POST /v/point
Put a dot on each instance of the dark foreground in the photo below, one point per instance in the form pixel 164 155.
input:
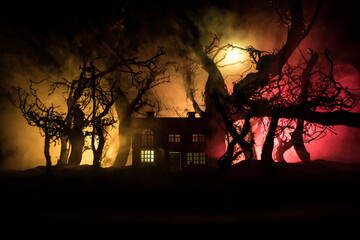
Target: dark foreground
pixel 322 192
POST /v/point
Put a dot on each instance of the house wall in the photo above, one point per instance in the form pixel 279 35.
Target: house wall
pixel 213 146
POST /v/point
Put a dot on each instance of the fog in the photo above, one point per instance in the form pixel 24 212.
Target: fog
pixel 51 46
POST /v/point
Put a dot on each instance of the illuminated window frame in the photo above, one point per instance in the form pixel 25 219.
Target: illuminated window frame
pixel 177 138
pixel 171 138
pixel 195 137
pixel 196 158
pixel 189 157
pixel 202 158
pixel 198 137
pixel 147 156
pixel 201 137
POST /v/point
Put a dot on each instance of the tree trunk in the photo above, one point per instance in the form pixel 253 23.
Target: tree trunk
pixel 77 144
pixel 266 155
pixel 251 140
pixel 247 147
pixel 124 113
pixel 226 160
pixel 64 152
pixel 47 152
pixel 76 137
pixel 298 142
pixel 283 147
pixel 98 153
pixel 124 147
pixel 100 148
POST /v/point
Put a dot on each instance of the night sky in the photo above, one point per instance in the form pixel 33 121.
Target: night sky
pixel 28 26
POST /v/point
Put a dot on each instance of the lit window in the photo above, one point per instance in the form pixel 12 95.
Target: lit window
pixel 202 158
pixel 198 137
pixel 177 137
pixel 195 137
pixel 174 138
pixel 196 158
pixel 147 156
pixel 147 138
pixel 189 158
pixel 201 137
pixel 171 138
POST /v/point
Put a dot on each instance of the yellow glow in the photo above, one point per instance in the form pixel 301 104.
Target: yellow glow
pixel 147 155
pixel 87 157
pixel 233 56
pixel 110 153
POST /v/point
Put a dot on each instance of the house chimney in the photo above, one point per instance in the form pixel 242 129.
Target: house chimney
pixel 150 114
pixel 191 114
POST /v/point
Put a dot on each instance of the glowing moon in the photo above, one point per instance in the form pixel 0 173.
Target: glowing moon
pixel 233 56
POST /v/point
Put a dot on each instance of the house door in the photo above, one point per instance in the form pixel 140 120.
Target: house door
pixel 174 161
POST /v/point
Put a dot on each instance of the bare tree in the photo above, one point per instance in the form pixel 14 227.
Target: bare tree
pixel 38 114
pixel 216 95
pixel 303 85
pixel 137 94
pixel 71 131
pixel 259 93
pixel 102 95
pixel 97 90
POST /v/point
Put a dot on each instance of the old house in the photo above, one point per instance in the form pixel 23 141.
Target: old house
pixel 177 144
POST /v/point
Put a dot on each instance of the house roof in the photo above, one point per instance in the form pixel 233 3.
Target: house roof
pixel 174 125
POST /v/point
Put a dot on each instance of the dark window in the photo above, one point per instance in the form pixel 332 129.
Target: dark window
pixel 147 138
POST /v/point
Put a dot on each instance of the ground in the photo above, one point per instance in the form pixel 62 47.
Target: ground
pixel 321 191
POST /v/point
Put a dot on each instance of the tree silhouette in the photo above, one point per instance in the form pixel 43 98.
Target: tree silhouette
pixel 138 72
pixel 136 95
pixel 89 100
pixel 305 94
pixel 38 114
